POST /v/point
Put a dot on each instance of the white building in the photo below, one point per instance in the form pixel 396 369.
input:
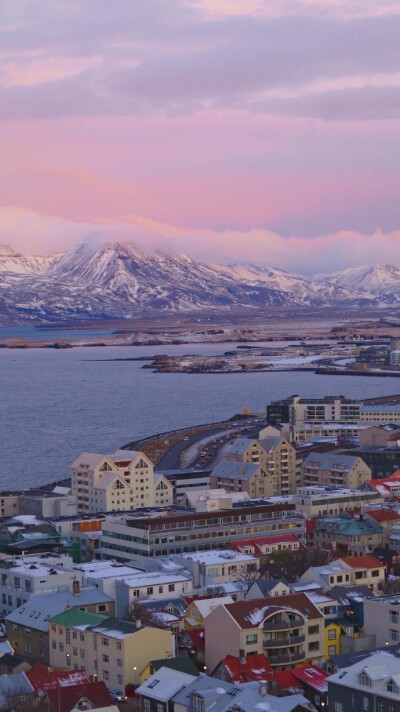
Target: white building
pixel 210 568
pixel 122 481
pixel 27 576
pixel 154 585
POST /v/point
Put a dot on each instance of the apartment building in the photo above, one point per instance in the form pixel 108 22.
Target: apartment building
pixel 383 413
pixel 382 618
pixel 319 501
pixel 108 649
pixel 28 625
pixel 334 469
pixel 210 568
pixel 263 468
pixel 294 410
pixel 27 576
pixel 288 629
pixel 122 481
pixel 179 530
pixel 154 584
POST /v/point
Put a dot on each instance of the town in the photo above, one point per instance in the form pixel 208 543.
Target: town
pixel 247 565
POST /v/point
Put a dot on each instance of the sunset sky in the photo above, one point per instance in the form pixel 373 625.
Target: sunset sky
pixel 230 130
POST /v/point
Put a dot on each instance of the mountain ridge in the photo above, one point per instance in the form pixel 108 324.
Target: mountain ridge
pixel 117 280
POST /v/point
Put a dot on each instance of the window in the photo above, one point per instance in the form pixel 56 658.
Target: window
pixel 338 706
pixel 394 616
pixel 119 646
pixel 392 687
pixel 353 700
pixel 74 635
pixel 365 680
pixel 28 648
pixel 197 703
pixel 61 647
pixel 313 646
pixel 54 644
pixel 68 635
pixel 82 653
pixel 313 630
pixel 105 658
pixel 391 708
pixel 119 679
pixel 393 634
pixel 332 650
pixel 160 707
pixel 104 641
pixel 332 634
pixel 365 703
pixel 146 705
pixel 119 662
pixel 106 674
pixel 252 638
pixel 149 590
pixel 74 651
pixel 82 637
pixel 171 587
pixel 381 706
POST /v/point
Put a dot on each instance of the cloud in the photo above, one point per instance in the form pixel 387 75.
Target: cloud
pixel 325 253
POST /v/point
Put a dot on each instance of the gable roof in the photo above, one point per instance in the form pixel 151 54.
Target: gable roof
pixel 250 614
pixel 253 667
pixel 44 678
pixel 37 611
pixel 328 460
pixel 268 585
pixel 64 699
pixel 233 470
pixel 163 684
pixel 183 663
pixel 362 562
pixel 383 515
pixel 259 542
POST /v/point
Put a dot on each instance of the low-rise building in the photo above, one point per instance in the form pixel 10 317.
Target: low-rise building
pixel 179 530
pixel 210 568
pixel 198 610
pixel 27 576
pixel 267 588
pixel 154 584
pixel 387 520
pixel 321 501
pixel 348 571
pixel 267 545
pixel 157 693
pixel 288 629
pixel 347 535
pixel 108 649
pixel 373 684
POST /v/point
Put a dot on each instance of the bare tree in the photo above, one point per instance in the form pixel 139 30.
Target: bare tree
pixel 20 701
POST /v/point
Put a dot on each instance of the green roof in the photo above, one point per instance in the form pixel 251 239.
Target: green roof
pixel 182 663
pixel 73 618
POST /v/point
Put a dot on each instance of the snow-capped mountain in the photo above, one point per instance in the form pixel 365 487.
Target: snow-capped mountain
pixel 117 281
pixel 379 281
pixel 17 263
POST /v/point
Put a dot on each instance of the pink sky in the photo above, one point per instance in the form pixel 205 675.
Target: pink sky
pixel 232 130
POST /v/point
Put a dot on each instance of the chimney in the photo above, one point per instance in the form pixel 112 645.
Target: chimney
pixel 242 656
pixel 76 588
pixel 263 688
pixel 138 623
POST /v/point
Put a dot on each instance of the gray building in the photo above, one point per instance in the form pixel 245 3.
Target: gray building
pixel 371 685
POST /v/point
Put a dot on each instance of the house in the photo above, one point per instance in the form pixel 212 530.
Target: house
pixel 325 577
pixel 157 693
pixel 182 663
pixel 206 693
pixel 382 619
pixel 288 629
pixel 388 557
pixel 386 518
pixel 71 698
pixel 243 668
pixel 372 684
pixel 121 481
pixel 28 625
pixel 334 469
pixel 210 568
pixel 11 663
pixel 44 678
pixel 368 571
pixel 267 588
pixel 198 610
pixel 15 687
pixel 153 584
pixel 346 535
pixel 314 684
pixel 108 649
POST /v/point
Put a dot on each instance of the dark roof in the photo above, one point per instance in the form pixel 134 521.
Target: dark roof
pixel 267 585
pixel 11 661
pixel 182 663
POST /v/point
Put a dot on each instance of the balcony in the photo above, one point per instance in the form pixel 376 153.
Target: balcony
pixel 282 625
pixel 284 642
pixel 296 657
pixel 279 659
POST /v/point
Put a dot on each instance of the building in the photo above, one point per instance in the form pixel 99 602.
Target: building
pixel 294 410
pixel 288 629
pixel 347 571
pixel 371 684
pixel 382 619
pixel 184 481
pixel 387 520
pixel 321 501
pixel 44 504
pixel 380 413
pixel 153 584
pixel 28 576
pixel 198 610
pixel 243 668
pixel 387 487
pixel 382 461
pixel 334 469
pixel 378 435
pixel 108 649
pixel 28 625
pixel 157 693
pixel 179 530
pixel 210 568
pixel 267 588
pixel 262 468
pixel 121 481
pixel 267 545
pixel 346 535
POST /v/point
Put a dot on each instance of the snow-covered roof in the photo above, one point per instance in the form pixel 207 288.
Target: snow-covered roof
pixel 164 684
pixel 218 557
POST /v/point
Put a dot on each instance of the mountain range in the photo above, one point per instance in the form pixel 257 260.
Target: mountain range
pixel 119 281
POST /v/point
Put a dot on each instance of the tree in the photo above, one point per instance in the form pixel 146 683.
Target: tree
pixel 20 701
pixel 290 564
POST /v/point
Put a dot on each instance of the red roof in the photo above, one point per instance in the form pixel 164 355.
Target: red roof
pixel 254 667
pixel 285 680
pixel 395 477
pixel 44 678
pixel 383 515
pixel 123 463
pixel 65 699
pixel 310 525
pixel 196 635
pixel 240 544
pixel 362 562
pixel 312 676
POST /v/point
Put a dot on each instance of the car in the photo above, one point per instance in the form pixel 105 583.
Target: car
pixel 118 696
pixel 186 437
